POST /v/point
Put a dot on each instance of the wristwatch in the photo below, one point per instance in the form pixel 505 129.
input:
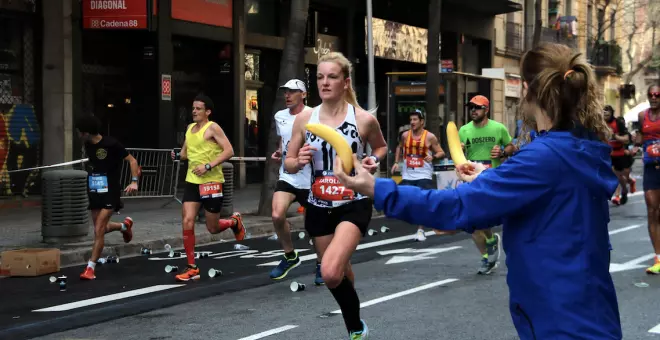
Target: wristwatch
pixel 376 160
pixel 207 166
pixel 134 179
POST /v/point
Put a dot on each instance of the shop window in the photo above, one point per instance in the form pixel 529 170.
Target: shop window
pixel 261 16
pixel 252 66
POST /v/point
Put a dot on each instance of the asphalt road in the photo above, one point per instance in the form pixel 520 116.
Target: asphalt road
pixel 409 290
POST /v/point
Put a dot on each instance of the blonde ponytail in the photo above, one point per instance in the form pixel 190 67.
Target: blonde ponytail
pixel 346 69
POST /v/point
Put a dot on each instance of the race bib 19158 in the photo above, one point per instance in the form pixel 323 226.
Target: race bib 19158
pixel 210 190
pixel 329 188
pixel 414 161
pixel 98 184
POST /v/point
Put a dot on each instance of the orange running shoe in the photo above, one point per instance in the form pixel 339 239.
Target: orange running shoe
pixel 239 229
pixel 191 273
pixel 301 210
pixel 633 185
pixel 128 233
pixel 616 200
pixel 88 274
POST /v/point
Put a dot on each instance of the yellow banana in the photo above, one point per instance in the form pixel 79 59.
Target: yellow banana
pixel 337 141
pixel 455 149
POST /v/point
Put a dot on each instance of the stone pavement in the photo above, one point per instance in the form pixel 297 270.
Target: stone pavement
pixel 154 227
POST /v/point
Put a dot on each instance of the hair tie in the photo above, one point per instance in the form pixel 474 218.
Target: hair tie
pixel 568 73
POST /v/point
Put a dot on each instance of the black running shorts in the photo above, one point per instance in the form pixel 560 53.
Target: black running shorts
pixel 108 200
pixel 300 194
pixel 323 221
pixel 191 194
pixel 621 163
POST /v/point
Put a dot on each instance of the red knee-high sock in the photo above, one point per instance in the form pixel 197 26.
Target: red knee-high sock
pixel 226 224
pixel 189 245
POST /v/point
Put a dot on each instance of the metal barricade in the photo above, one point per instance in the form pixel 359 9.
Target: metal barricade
pixel 159 174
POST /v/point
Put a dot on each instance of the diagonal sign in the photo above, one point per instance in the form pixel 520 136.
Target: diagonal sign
pixel 422 254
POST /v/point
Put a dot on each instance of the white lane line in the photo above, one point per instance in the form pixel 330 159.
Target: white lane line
pixel 360 246
pixel 107 298
pixel 269 333
pixel 655 330
pixel 400 294
pixel 620 230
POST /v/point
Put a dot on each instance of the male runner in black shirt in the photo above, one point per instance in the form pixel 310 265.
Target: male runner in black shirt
pixel 106 156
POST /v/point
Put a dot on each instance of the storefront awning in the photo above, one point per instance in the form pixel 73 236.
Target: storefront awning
pixel 486 7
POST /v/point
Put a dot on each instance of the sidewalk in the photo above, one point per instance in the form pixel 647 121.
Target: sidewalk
pixel 154 227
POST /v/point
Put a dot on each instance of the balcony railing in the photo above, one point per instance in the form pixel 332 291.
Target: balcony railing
pixel 514 37
pixel 559 36
pixel 607 56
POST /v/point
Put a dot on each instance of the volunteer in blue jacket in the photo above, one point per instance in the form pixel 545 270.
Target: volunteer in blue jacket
pixel 552 197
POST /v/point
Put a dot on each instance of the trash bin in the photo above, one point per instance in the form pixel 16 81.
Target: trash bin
pixel 64 215
pixel 227 190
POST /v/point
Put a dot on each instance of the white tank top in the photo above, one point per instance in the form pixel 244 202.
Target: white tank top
pixel 284 122
pixel 414 152
pixel 327 191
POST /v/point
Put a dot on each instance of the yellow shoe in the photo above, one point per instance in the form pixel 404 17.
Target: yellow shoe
pixel 655 269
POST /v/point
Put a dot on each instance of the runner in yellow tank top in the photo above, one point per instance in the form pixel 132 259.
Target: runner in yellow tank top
pixel 206 147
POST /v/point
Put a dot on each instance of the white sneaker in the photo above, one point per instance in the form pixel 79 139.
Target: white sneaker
pixel 420 237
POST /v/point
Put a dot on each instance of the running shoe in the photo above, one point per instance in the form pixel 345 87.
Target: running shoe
pixel 88 274
pixel 362 335
pixel 655 268
pixel 633 185
pixel 318 280
pixel 494 248
pixel 616 200
pixel 191 273
pixel 284 267
pixel 486 267
pixel 301 210
pixel 128 233
pixel 420 236
pixel 624 198
pixel 239 229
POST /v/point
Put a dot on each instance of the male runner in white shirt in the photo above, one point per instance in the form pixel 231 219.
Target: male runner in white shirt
pixel 289 187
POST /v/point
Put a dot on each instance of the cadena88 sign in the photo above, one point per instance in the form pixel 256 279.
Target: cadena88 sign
pixel 115 14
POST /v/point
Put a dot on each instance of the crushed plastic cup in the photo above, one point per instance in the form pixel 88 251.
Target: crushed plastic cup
pixel 641 285
pixel 112 259
pixel 169 268
pixel 240 247
pixel 273 238
pixel 101 260
pixel 168 247
pixel 372 232
pixel 384 229
pixel 296 286
pixel 311 243
pixel 214 272
pixel 52 279
pixel 301 235
pixel 145 251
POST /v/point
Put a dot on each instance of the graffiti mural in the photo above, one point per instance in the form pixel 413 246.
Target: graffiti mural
pixel 20 142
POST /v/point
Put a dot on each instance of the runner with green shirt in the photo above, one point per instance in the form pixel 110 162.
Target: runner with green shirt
pixel 482 139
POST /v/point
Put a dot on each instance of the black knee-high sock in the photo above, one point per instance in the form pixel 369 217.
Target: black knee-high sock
pixel 349 303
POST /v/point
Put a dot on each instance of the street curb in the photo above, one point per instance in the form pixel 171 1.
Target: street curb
pixel 80 256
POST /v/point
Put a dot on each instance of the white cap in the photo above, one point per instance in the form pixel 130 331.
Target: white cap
pixel 295 84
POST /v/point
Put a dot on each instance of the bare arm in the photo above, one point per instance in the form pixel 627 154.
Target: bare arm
pixel 510 149
pixel 296 142
pixel 375 138
pixel 183 155
pixel 399 149
pixel 438 153
pixel 227 150
pixel 134 166
pixel 639 138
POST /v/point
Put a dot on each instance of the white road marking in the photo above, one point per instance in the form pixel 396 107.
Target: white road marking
pixel 632 264
pixel 620 230
pixel 423 254
pixel 360 246
pixel 269 333
pixel 107 298
pixel 400 294
pixel 655 330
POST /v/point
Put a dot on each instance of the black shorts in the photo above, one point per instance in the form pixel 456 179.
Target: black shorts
pixel 425 184
pixel 301 194
pixel 651 176
pixel 621 163
pixel 107 200
pixel 191 194
pixel 323 221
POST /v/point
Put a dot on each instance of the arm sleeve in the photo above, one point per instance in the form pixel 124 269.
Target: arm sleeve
pixel 494 195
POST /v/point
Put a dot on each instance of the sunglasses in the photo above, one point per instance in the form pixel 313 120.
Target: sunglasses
pixel 473 107
pixel 654 94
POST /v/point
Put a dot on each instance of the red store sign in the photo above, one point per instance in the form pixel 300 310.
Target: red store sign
pixel 115 14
